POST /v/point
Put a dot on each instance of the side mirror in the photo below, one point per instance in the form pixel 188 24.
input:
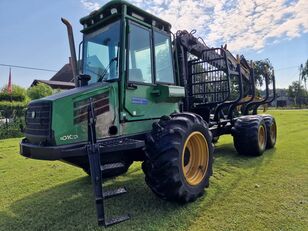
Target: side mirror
pixel 84 79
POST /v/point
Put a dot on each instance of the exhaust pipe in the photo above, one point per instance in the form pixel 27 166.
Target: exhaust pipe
pixel 72 49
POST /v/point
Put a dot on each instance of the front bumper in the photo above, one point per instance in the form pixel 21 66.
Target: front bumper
pixel 111 145
pixel 51 152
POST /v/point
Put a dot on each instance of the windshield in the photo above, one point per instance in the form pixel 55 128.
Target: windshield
pixel 100 56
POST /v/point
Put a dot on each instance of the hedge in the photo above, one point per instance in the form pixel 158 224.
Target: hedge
pixel 14 97
pixel 12 109
pixel 7 105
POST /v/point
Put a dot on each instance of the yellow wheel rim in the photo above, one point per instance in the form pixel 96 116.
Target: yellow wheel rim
pixel 262 137
pixel 273 132
pixel 195 158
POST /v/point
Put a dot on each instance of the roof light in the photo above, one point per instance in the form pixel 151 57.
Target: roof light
pixel 114 11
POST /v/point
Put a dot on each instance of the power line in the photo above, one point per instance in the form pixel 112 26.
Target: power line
pixel 285 68
pixel 24 67
pixel 42 69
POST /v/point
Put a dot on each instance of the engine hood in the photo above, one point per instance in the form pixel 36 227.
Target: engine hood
pixel 68 112
pixel 74 91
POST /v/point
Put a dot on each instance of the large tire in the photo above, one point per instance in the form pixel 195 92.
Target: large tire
pixel 112 172
pixel 249 135
pixel 271 130
pixel 176 145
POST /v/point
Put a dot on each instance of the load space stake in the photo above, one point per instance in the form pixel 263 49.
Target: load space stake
pixel 93 150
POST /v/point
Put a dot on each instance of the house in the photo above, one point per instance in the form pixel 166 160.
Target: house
pixel 63 79
pixel 282 100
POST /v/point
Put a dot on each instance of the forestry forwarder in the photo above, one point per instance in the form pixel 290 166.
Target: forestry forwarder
pixel 144 94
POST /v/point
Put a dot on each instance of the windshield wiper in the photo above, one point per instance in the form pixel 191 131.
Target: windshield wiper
pixel 93 72
pixel 102 76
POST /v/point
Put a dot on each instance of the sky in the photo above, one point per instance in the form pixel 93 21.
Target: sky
pixel 32 34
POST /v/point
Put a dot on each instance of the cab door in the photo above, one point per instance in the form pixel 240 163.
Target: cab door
pixel 141 98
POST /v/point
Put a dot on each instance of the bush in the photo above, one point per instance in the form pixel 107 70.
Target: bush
pixel 39 91
pixel 57 90
pixel 12 129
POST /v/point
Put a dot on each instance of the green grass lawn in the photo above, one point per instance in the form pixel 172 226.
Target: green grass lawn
pixel 264 193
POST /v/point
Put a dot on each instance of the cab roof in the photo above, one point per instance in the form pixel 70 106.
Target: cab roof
pixel 114 8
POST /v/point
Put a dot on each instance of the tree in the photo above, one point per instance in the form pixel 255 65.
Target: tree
pixel 297 92
pixel 303 73
pixel 262 68
pixel 39 91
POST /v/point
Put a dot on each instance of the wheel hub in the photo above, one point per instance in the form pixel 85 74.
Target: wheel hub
pixel 195 158
pixel 273 132
pixel 261 137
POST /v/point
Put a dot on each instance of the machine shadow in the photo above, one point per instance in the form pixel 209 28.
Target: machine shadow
pixel 70 206
pixel 227 158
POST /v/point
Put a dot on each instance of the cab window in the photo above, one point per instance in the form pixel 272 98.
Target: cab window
pixel 163 58
pixel 101 47
pixel 140 63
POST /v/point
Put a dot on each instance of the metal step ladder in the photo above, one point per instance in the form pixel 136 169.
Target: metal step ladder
pixel 96 169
